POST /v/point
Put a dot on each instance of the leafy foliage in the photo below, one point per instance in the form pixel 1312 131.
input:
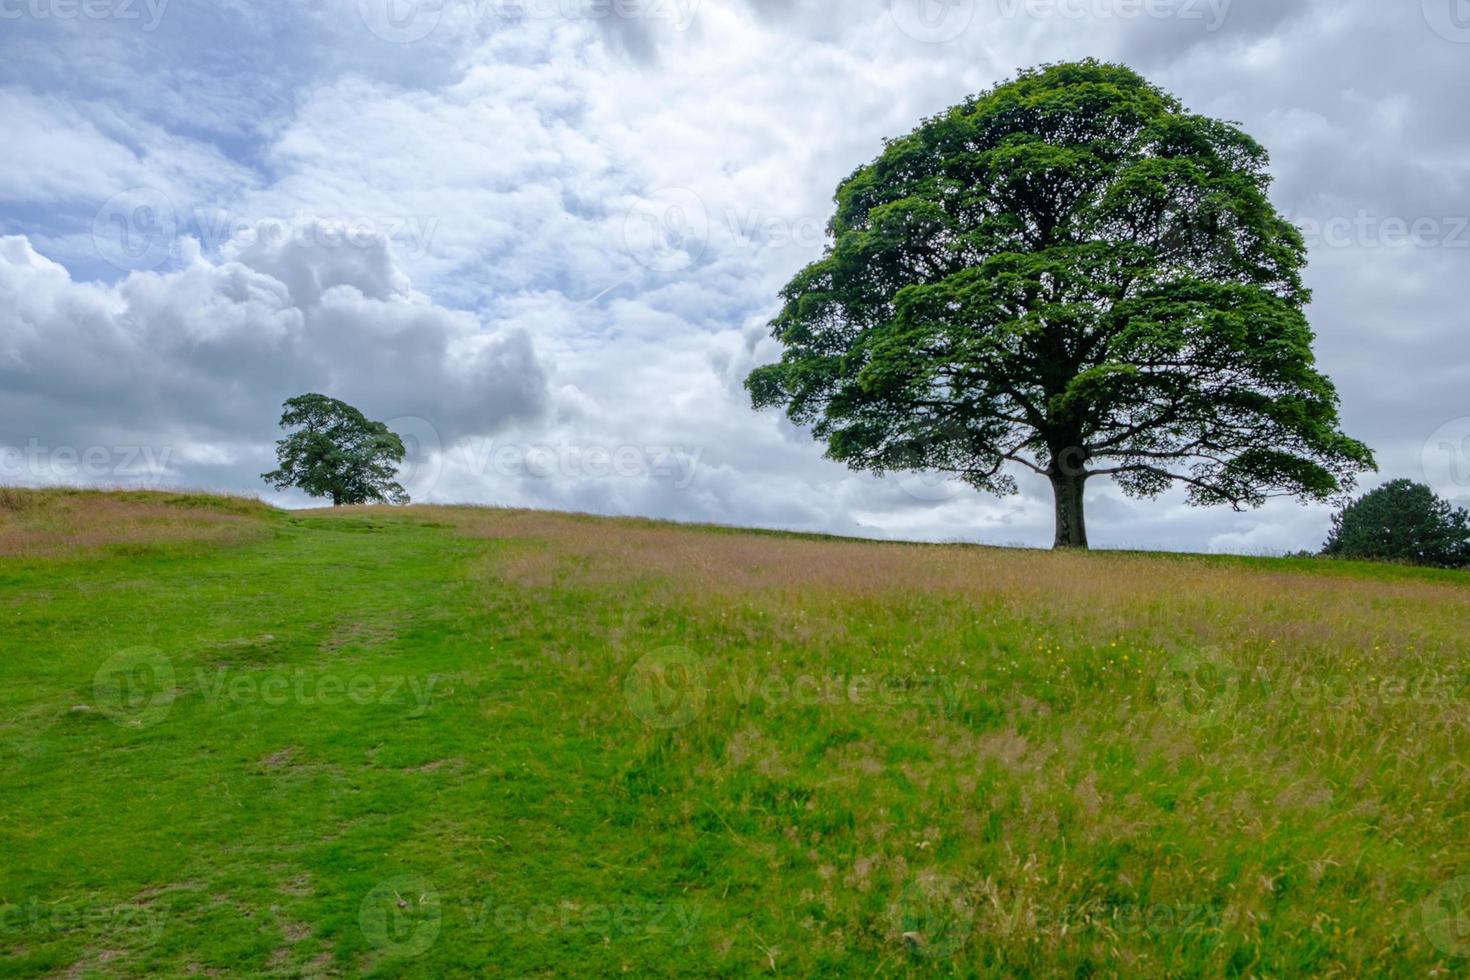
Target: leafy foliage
pixel 337 452
pixel 1065 270
pixel 1402 521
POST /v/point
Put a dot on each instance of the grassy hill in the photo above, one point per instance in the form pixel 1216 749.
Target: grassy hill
pixel 440 741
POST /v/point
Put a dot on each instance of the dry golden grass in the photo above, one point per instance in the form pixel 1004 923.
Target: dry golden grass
pixel 1202 601
pixel 62 521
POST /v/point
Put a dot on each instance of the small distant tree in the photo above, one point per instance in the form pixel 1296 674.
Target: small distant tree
pixel 337 452
pixel 1402 521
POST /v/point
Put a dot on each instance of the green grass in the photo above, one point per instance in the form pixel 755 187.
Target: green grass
pixel 434 742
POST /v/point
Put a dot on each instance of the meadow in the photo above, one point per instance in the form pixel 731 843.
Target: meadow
pixel 437 741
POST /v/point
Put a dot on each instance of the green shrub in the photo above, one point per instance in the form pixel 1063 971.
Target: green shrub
pixel 1402 521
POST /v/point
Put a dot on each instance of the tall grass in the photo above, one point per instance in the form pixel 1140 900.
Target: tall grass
pixel 646 749
pixel 60 521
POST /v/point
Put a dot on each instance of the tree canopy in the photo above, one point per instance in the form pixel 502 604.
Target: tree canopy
pixel 1402 521
pixel 337 452
pixel 1072 274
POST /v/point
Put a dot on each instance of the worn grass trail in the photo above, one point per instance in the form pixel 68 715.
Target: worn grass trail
pixel 465 742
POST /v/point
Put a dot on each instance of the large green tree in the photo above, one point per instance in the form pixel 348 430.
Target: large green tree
pixel 1402 521
pixel 1072 274
pixel 337 452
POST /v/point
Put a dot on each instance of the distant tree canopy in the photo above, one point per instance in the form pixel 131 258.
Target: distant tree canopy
pixel 337 452
pixel 1402 521
pixel 1073 274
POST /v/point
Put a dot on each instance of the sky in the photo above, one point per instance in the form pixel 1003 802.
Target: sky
pixel 543 239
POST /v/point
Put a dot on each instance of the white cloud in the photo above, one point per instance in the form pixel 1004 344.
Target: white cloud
pixel 495 163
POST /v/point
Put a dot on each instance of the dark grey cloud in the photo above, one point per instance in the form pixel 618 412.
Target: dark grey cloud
pixel 204 356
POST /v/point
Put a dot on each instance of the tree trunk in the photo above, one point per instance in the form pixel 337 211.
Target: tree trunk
pixel 1066 487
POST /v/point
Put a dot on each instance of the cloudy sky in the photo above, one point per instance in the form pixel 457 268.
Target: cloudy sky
pixel 544 237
